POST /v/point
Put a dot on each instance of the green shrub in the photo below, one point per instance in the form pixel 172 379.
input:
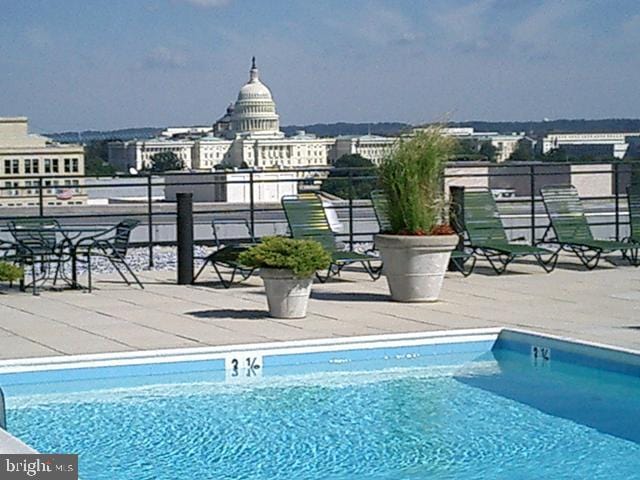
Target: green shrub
pixel 412 176
pixel 10 272
pixel 303 257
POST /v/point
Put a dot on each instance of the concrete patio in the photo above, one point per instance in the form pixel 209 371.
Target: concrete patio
pixel 601 306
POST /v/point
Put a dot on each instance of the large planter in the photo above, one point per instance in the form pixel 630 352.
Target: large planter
pixel 415 265
pixel 287 295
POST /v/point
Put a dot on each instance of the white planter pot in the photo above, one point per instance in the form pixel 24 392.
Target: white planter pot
pixel 415 265
pixel 287 295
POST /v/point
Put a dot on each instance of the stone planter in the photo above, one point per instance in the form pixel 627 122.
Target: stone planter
pixel 287 295
pixel 415 265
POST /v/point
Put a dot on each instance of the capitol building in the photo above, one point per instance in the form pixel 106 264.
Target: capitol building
pixel 248 135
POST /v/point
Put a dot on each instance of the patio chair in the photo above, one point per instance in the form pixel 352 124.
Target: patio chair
pixel 460 260
pixel 226 255
pixel 111 244
pixel 633 198
pixel 487 237
pixel 308 221
pixel 569 229
pixel 37 245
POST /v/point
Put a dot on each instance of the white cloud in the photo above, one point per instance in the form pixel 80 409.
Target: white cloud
pixel 466 25
pixel 165 58
pixel 380 26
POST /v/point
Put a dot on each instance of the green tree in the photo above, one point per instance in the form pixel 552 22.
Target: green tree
pixel 165 161
pixel 96 159
pixel 555 155
pixel 523 152
pixel 488 150
pixel 362 172
pixel 466 150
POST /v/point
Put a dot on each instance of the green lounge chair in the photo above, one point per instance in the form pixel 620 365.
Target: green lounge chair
pixel 308 220
pixel 226 255
pixel 460 260
pixel 487 237
pixel 633 197
pixel 571 231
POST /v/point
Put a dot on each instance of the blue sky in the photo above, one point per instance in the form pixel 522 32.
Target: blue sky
pixel 81 64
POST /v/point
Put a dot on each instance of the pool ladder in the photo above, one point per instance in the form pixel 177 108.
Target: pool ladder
pixel 3 412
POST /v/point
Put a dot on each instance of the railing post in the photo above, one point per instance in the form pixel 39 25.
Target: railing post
pixel 40 197
pixel 456 218
pixel 150 218
pixel 532 185
pixel 351 193
pixel 184 224
pixel 252 213
pixel 616 181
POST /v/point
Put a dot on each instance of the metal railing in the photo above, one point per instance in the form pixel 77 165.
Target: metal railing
pixel 601 185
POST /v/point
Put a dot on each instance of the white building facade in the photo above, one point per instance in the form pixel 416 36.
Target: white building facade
pixel 613 144
pixel 372 147
pixel 36 159
pixel 138 153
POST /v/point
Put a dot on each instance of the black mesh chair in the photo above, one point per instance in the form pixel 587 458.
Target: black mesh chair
pixel 113 245
pixel 38 245
pixel 225 258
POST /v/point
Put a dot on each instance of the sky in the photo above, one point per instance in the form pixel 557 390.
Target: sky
pixel 107 64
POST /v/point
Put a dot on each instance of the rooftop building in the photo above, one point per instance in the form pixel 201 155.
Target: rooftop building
pixel 30 156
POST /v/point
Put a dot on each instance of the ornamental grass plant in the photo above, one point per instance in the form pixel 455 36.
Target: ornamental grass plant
pixel 303 257
pixel 412 176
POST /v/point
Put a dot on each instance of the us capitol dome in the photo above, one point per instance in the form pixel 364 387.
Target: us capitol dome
pixel 254 111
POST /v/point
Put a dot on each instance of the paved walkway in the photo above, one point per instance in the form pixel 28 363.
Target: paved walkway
pixel 601 306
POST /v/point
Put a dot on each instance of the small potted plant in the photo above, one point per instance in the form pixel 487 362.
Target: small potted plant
pixel 287 267
pixel 416 249
pixel 10 273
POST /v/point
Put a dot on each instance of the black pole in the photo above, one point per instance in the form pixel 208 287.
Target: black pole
pixel 150 218
pixel 252 212
pixel 616 182
pixel 351 194
pixel 40 197
pixel 456 218
pixel 532 186
pixel 184 224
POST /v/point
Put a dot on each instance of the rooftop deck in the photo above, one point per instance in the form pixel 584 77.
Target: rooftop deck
pixel 601 306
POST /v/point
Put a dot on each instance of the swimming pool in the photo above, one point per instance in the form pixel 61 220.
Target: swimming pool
pixel 468 405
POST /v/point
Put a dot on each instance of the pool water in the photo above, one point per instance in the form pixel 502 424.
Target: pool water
pixel 496 417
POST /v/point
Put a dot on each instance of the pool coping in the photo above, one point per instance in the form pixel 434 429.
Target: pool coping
pixel 141 357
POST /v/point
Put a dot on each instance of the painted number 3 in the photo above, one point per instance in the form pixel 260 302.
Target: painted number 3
pixel 250 368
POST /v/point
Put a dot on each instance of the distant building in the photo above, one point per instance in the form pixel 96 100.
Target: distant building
pixel 185 132
pixel 598 145
pixel 372 147
pixel 138 153
pixel 505 145
pixel 32 156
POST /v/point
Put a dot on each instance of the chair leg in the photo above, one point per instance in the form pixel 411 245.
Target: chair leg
pixel 33 279
pixel 590 262
pixel 225 283
pixel 132 273
pixel 122 275
pixel 550 264
pixel 501 265
pixel 373 272
pixel 89 272
pixel 204 264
